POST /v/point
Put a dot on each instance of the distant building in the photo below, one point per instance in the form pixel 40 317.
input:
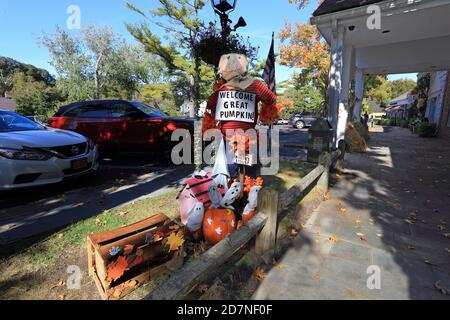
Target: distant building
pixel 438 83
pixel 7 104
pixel 399 107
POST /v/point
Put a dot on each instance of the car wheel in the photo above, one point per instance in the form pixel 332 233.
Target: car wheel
pixel 300 125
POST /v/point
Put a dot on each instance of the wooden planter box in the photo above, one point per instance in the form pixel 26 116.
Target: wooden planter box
pixel 142 245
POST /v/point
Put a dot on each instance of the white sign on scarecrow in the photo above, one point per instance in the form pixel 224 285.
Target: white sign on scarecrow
pixel 236 106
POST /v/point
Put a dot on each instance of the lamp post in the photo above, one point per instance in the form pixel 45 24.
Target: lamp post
pixel 223 8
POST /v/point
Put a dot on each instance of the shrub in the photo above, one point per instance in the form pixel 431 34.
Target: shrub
pixel 403 123
pixel 414 123
pixel 362 130
pixel 426 129
pixel 386 122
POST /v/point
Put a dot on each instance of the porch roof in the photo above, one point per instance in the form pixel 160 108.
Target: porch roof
pixel 330 6
pixel 414 34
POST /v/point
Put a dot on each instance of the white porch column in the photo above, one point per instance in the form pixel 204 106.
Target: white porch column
pixel 344 107
pixel 340 76
pixel 359 95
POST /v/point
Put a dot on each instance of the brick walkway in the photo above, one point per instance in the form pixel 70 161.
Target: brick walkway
pixel 390 208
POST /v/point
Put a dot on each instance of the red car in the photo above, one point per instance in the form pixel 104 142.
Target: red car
pixel 118 125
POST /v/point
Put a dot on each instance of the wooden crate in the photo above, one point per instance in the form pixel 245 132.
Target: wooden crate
pixel 142 245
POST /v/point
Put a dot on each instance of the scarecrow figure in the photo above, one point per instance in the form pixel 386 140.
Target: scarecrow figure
pixel 234 106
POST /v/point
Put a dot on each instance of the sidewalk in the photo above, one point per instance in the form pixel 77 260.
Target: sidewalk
pixel 390 208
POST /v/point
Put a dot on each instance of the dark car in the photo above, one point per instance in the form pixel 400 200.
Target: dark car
pixel 302 120
pixel 119 125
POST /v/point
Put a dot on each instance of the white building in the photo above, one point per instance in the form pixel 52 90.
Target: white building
pixel 371 37
pixel 438 84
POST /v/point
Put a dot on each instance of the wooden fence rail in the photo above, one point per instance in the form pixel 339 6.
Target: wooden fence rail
pixel 263 226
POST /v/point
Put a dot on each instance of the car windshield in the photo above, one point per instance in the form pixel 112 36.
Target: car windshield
pixel 10 122
pixel 150 111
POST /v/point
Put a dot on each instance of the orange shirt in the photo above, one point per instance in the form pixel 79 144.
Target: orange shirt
pixel 263 94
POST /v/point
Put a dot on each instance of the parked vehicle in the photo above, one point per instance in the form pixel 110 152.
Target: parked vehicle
pixel 31 154
pixel 281 121
pixel 302 120
pixel 118 125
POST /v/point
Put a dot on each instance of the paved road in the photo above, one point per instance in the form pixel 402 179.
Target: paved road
pixel 122 179
pixel 388 215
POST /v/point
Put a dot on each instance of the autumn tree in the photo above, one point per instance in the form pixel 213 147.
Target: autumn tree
pixel 302 47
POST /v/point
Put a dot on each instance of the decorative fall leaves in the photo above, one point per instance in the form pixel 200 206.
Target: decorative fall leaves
pixel 175 241
pixel 117 269
pixel 131 257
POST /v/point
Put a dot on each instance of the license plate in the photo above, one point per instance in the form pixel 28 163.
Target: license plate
pixel 79 164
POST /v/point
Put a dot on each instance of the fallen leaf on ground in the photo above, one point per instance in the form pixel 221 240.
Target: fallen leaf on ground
pixel 260 274
pixel 358 220
pixel 200 248
pixel 294 233
pixel 317 277
pixel 332 239
pixel 117 269
pixel 61 283
pixel 175 241
pixel 426 261
pixel 279 266
pixel 99 223
pixel 362 236
pixel 201 288
pixel 343 210
pixel 327 197
pixel 62 297
pixel 441 289
pixel 122 213
pixel 60 235
pixel 396 205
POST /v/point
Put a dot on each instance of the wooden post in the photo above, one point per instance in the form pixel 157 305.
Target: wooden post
pixel 268 204
pixel 324 181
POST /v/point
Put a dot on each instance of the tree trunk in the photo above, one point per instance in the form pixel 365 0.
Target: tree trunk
pixel 198 139
pixel 97 77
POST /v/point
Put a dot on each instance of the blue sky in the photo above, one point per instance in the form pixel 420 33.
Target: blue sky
pixel 23 21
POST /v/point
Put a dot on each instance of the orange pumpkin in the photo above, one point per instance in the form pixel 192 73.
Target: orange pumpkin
pixel 246 217
pixel 218 224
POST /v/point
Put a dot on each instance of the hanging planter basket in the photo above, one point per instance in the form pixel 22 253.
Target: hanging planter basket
pixel 210 46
